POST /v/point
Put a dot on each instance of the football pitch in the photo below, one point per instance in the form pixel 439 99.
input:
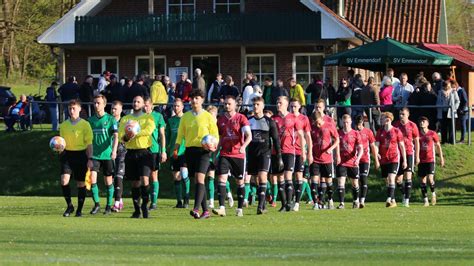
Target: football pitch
pixel 32 231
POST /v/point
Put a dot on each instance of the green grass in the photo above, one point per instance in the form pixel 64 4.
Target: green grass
pixel 31 87
pixel 33 232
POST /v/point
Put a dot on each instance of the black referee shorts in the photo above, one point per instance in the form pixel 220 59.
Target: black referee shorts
pixel 107 166
pixel 177 163
pixel 74 163
pixel 236 167
pixel 197 160
pixel 138 163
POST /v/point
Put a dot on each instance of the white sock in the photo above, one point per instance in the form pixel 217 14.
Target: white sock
pixel 362 200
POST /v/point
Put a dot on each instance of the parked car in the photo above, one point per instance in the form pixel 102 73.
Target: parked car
pixel 7 98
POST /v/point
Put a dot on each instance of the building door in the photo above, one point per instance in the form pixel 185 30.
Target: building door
pixel 209 65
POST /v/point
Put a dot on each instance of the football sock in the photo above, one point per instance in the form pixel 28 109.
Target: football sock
pixel 330 191
pixel 281 190
pixel 81 197
pixel 306 190
pixel 253 189
pixel 110 195
pixel 408 185
pixel 199 198
pixel 275 191
pixel 211 187
pixel 262 189
pixel 118 183
pixel 391 191
pixel 221 193
pixel 247 191
pixel 240 196
pixel 289 190
pixel 178 189
pixel 95 193
pixel 298 186
pixel 145 194
pixel 355 193
pixel 187 188
pixel 322 191
pixel 341 190
pixel 314 190
pixel 227 186
pixel 204 198
pixel 424 190
pixel 400 187
pixel 365 187
pixel 136 198
pixel 155 188
pixel 67 194
pixel 432 187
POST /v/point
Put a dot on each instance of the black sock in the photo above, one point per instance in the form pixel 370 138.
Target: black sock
pixel 314 191
pixel 118 184
pixel 67 194
pixel 136 198
pixel 145 194
pixel 289 190
pixel 432 187
pixel 198 196
pixel 330 191
pixel 178 191
pixel 298 185
pixel 391 191
pixel 365 187
pixel 401 188
pixel 408 185
pixel 262 191
pixel 355 193
pixel 221 193
pixel 341 190
pixel 322 191
pixel 281 190
pixel 424 190
pixel 204 198
pixel 81 197
pixel 240 196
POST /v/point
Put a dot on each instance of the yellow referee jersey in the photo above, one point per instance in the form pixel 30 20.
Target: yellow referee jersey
pixel 143 139
pixel 77 136
pixel 194 127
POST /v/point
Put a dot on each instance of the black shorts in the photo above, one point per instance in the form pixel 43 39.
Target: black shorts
pixel 74 163
pixel 212 166
pixel 138 163
pixel 236 167
pixel 106 165
pixel 364 169
pixel 299 164
pixel 410 165
pixel 352 172
pixel 197 160
pixel 177 163
pixel 322 170
pixel 258 163
pixel 389 168
pixel 425 169
pixel 156 161
pixel 288 163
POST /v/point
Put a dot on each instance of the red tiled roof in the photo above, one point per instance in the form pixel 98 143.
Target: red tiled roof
pixel 409 21
pixel 459 54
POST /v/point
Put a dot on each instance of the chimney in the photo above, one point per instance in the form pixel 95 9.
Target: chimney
pixel 340 8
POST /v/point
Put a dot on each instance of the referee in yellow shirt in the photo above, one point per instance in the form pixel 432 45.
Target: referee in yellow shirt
pixel 194 125
pixel 138 161
pixel 76 157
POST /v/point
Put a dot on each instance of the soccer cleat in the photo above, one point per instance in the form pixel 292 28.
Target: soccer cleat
pixel 341 206
pixel 426 203
pixel 282 209
pixel 239 212
pixel 246 203
pixel 211 203
pixel 269 198
pixel 288 207
pixel 387 203
pixel 251 200
pixel 195 213
pixel 230 199
pixel 331 204
pixel 261 211
pixel 144 210
pixel 186 203
pixel 406 203
pixel 95 209
pixel 179 205
pixel 393 204
pixel 153 207
pixel 116 208
pixel 274 204
pixel 362 205
pixel 205 215
pixel 355 205
pixel 220 211
pixel 69 210
pixel 315 207
pixel 296 207
pixel 135 214
pixel 108 210
pixel 433 199
pixel 78 214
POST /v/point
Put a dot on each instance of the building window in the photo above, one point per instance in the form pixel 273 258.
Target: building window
pixel 263 66
pixel 181 6
pixel 227 6
pixel 97 65
pixel 307 65
pixel 142 64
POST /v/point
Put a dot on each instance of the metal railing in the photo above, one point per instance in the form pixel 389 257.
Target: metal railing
pixel 60 113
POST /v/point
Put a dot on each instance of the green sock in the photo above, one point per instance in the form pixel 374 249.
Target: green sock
pixel 227 186
pixel 211 187
pixel 188 185
pixel 306 190
pixel 247 191
pixel 95 193
pixel 275 191
pixel 110 195
pixel 254 190
pixel 178 190
pixel 155 188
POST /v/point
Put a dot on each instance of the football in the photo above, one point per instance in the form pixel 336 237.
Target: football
pixel 132 128
pixel 209 142
pixel 57 144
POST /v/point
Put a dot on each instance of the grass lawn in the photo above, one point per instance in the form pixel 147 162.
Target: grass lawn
pixel 33 232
